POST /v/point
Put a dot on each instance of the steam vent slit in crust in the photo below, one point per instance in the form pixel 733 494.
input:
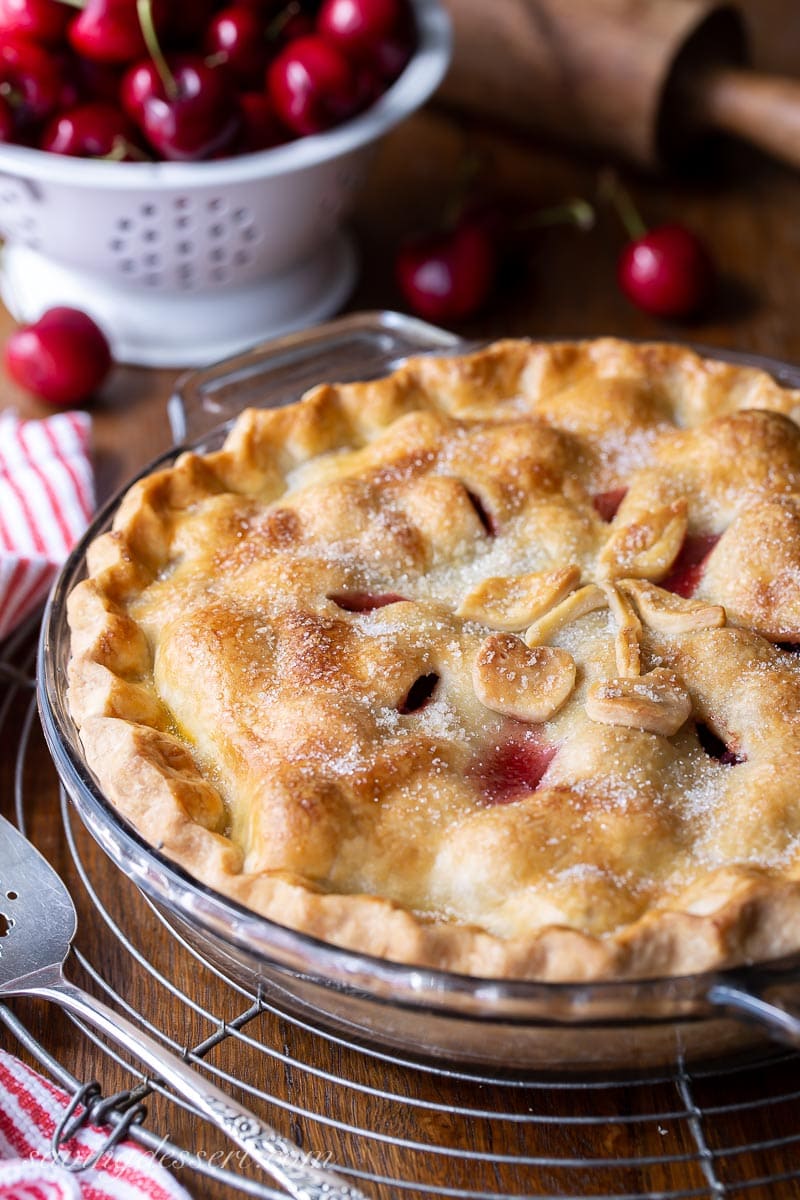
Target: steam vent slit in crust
pixel 490 665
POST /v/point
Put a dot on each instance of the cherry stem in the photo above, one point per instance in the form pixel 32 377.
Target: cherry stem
pixel 610 188
pixel 281 20
pixel 74 3
pixel 144 10
pixel 470 167
pixel 122 149
pixel 576 212
pixel 11 95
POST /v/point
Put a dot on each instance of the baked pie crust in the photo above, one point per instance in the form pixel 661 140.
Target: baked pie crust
pixel 487 666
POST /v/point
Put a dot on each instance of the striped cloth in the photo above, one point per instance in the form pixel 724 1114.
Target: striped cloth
pixel 30 1111
pixel 46 499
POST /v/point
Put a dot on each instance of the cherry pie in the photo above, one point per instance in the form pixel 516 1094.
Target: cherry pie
pixel 489 665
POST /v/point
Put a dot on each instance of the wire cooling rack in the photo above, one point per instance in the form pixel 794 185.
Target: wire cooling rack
pixel 399 1128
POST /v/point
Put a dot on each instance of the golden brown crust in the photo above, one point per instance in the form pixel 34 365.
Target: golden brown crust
pixel 482 666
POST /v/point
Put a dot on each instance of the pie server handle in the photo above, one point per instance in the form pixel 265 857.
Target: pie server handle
pixel 303 1175
pixel 770 999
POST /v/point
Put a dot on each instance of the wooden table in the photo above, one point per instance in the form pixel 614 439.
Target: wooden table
pixel 687 1136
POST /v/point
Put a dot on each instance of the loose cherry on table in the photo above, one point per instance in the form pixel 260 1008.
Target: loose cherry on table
pixel 665 271
pixel 43 20
pixel 313 85
pixel 448 275
pixel 62 358
pixel 94 130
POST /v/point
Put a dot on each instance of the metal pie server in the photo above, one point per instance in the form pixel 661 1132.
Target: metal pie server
pixel 37 924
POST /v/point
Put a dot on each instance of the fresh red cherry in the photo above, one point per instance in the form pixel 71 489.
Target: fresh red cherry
pixel 62 358
pixel 313 86
pixel 43 20
pixel 237 37
pixel 138 84
pixel 95 130
pixel 447 276
pixel 667 272
pixel 261 129
pixel 30 81
pixel 195 117
pixel 108 31
pixel 357 27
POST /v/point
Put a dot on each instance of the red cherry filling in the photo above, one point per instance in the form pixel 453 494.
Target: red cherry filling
pixel 716 748
pixel 606 504
pixel 512 769
pixel 688 568
pixel 419 694
pixel 359 602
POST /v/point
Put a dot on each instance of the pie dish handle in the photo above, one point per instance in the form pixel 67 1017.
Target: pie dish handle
pixel 359 346
pixel 769 997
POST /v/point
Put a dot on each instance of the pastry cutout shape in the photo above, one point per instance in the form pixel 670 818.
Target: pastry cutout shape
pixel 666 612
pixel 529 684
pixel 657 702
pixel 512 602
pixel 648 546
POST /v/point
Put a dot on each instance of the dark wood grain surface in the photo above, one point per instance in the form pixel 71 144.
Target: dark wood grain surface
pixel 706 1134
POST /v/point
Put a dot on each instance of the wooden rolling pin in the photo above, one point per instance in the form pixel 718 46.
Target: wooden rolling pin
pixel 641 79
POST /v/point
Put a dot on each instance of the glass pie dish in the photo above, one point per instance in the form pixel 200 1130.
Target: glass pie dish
pixel 417 1011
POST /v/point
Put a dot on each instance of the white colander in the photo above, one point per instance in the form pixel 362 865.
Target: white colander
pixel 184 263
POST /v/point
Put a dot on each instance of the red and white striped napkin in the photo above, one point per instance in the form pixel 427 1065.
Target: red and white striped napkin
pixel 31 1109
pixel 46 499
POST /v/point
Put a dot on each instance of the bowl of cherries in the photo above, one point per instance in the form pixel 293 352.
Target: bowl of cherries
pixel 182 171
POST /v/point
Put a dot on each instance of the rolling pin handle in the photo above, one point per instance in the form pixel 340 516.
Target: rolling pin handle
pixel 762 109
